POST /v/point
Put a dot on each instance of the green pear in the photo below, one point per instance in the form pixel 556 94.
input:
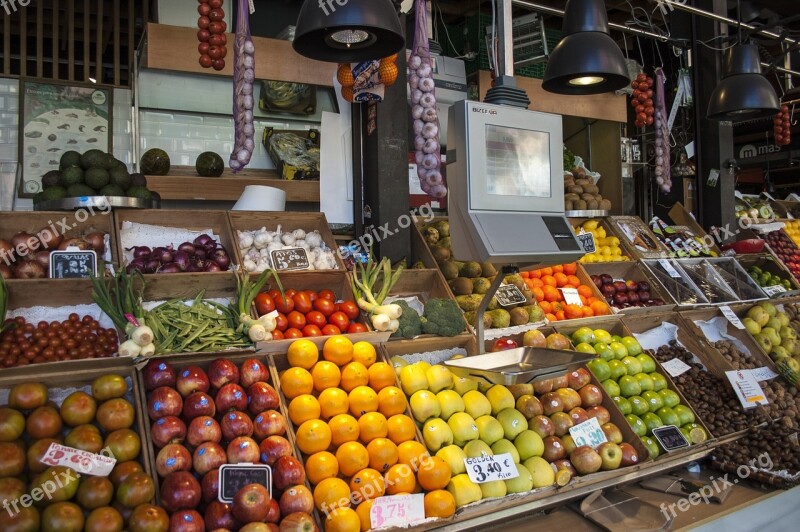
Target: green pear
pixel 489 429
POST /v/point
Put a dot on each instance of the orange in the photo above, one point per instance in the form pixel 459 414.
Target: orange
pixel 537 283
pixel 556 306
pixel 383 454
pixel 546 271
pixel 401 428
pixel 381 375
pixel 354 374
pixel 368 483
pixel 587 311
pixel 344 428
pixel 434 474
pixel 600 308
pixel 558 268
pixel 573 281
pixel 372 425
pixel 338 349
pixel 331 493
pixel 538 293
pixel 343 520
pixel 296 381
pixel 352 458
pixel 584 291
pixel 412 453
pixel 363 399
pixel 584 300
pixel 550 317
pixel 561 279
pixel 332 402
pixel 561 315
pixel 551 293
pixel 545 306
pixel 345 75
pixel 363 511
pixel 313 436
pixel 365 353
pixel 320 466
pixel 326 375
pixel 573 311
pixel 400 479
pixel 303 354
pixel 535 274
pixel 525 275
pixel 302 408
pixel 392 401
pixel 439 503
pixel 571 268
pixel 549 280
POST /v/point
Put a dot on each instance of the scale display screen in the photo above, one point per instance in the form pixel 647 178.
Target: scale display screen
pixel 517 162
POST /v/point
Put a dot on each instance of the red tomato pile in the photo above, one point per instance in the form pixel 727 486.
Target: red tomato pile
pixel 642 100
pixel 309 313
pixel 782 127
pixel 212 34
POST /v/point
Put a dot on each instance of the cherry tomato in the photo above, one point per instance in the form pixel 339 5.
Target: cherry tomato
pixel 325 306
pixel 204 9
pixel 314 318
pixel 504 343
pixel 206 61
pixel 297 320
pixel 282 322
pixel 203 35
pixel 277 335
pixel 350 309
pixel 203 23
pixel 311 330
pixel 218 64
pixel 302 303
pixel 339 319
pixel 203 48
pixel 293 333
pixel 284 305
pixel 354 328
pixel 327 294
pixel 264 304
pixel 330 330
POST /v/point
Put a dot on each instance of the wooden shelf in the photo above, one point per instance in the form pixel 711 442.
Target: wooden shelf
pixel 183 183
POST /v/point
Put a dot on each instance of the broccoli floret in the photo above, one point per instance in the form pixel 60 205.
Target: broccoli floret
pixel 410 322
pixel 442 317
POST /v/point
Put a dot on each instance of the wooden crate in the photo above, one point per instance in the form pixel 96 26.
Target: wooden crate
pixel 604 223
pixel 680 216
pixel 628 228
pixel 770 263
pixel 633 271
pixel 466 345
pixel 517 337
pixel 289 221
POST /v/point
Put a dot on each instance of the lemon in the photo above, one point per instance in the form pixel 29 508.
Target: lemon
pixel 589 225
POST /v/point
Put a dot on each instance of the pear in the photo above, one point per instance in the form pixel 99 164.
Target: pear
pixel 476 404
pixel 476 449
pixel 493 489
pixel 541 471
pixel 454 456
pixel 437 434
pixel 424 405
pixel 505 446
pixel 462 385
pixel 449 403
pixel 463 427
pixel 489 429
pixel 513 422
pixel 463 490
pixel 413 379
pixel 500 398
pixel 439 378
pixel 522 483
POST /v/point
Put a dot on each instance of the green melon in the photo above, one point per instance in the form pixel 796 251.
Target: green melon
pixel 155 162
pixel 209 164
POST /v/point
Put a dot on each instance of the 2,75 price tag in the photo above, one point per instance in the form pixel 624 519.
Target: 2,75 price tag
pixel 397 510
pixel 488 468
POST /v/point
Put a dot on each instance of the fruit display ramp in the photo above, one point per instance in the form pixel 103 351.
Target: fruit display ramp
pixel 608 246
pixel 768 271
pixel 542 337
pixel 624 273
pixel 676 282
pixel 722 280
pixel 761 325
pixel 636 237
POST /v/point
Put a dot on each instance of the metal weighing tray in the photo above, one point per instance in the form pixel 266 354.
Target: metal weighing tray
pixel 521 365
pixel 97 202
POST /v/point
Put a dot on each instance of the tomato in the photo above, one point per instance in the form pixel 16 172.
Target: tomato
pixel 297 320
pixel 313 296
pixel 330 330
pixel 302 303
pixel 339 319
pixel 275 294
pixel 264 304
pixel 354 328
pixel 325 306
pixel 311 330
pixel 285 306
pixel 203 23
pixel 282 322
pixel 277 335
pixel 290 292
pixel 327 294
pixel 350 309
pixel 316 318
pixel 293 333
pixel 504 343
pixel 206 61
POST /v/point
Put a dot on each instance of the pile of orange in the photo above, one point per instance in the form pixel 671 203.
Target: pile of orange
pixel 545 283
pixel 358 442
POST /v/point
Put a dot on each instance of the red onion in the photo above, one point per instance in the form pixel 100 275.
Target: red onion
pixel 97 240
pixel 196 266
pixel 151 266
pixel 30 269
pixel 20 240
pixel 182 259
pixel 162 255
pixel 221 258
pixel 186 247
pixel 170 268
pixel 213 267
pixel 43 258
pixel 140 251
pixel 203 240
pixel 137 264
pixel 200 253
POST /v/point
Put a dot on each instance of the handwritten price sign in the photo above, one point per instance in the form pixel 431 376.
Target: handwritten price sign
pixel 397 510
pixel 488 468
pixel 588 433
pixel 80 461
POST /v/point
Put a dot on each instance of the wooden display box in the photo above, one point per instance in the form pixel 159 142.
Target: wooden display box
pixel 637 238
pixel 466 345
pixel 420 251
pixel 288 221
pixel 611 324
pixel 518 336
pixel 606 225
pixel 636 272
pixel 769 263
pixel 680 216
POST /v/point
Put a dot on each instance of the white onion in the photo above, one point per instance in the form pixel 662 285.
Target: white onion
pixel 430 130
pixel 438 191
pixel 249 62
pixel 243 156
pixel 416 112
pixel 249 47
pixel 249 144
pixel 423 174
pixel 666 188
pixel 248 102
pixel 414 62
pixel 418 125
pixel 248 116
pixel 249 130
pixel 413 81
pixel 249 76
pixel 660 180
pixel 428 100
pixel 659 161
pixel 435 178
pixel 431 146
pixel 426 84
pixel 246 90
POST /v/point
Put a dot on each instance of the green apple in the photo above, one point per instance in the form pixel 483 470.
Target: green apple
pixel 616 338
pixel 463 427
pixel 618 369
pixel 632 365
pixel 751 325
pixel 670 398
pixel 489 429
pixel 600 368
pixel 493 489
pixel 647 362
pixel 654 400
pixel 636 423
pixel 769 308
pixel 583 335
pixel 500 398
pixel 632 345
pixel 774 323
pixel 645 381
pixel 513 422
pixel 604 351
pixel 449 403
pixel 529 444
pixel 477 448
pixel 684 413
pixel 639 405
pixel 522 483
pixel 584 347
pixel 659 381
pixel 620 351
pixel 611 387
pixel 602 336
pixel 424 405
pixel 413 379
pixel 759 315
pixel 506 446
pixel 437 434
pixel 652 421
pixel 629 386
pixel 439 378
pixel 651 446
pixel 476 404
pixel 623 404
pixel 668 416
pixel 454 456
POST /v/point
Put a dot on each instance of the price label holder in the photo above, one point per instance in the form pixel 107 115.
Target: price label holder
pixel 763 374
pixel 676 367
pixel 73 263
pixel 732 317
pixel 509 295
pixel 83 462
pixel 670 437
pixel 587 242
pixel 571 296
pixel 774 290
pixel 488 468
pixel 747 388
pixel 588 433
pixel 232 478
pixel 397 510
pixel 290 259
pixel 669 268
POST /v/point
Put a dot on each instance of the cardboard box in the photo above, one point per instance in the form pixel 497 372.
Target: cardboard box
pixel 286 169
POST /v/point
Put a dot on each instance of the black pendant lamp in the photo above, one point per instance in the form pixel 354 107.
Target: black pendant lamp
pixel 586 60
pixel 742 93
pixel 348 31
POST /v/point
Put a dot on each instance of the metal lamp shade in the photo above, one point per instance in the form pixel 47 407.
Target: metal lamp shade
pixel 743 93
pixel 586 60
pixel 348 31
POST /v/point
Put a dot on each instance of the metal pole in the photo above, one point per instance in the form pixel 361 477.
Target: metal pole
pixel 506 51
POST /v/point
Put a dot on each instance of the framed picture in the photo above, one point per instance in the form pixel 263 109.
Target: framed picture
pixel 56 118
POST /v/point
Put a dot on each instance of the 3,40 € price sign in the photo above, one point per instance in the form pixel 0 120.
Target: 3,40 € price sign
pixel 397 510
pixel 488 468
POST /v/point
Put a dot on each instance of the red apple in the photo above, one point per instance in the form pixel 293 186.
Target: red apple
pixel 252 371
pixel 222 371
pixel 198 404
pixel 163 402
pixel 192 379
pixel 585 460
pixel 234 424
pixel 542 426
pixel 158 373
pixel 590 395
pixel 553 449
pixel 552 402
pixel 243 450
pixel 251 503
pixel 562 423
pixel 273 448
pixel 569 398
pixel 219 516
pixel 210 486
pixel 612 432
pixel 202 429
pixel 565 464
pixel 579 378
pixel 286 472
pixel 187 521
pixel 269 423
pixel 173 457
pixel 274 512
pixel 261 397
pixel 297 499
pixel 629 455
pixel 180 491
pixel 208 456
pixel 560 382
pixel 231 397
pixel 542 387
pixel 298 522
pixel 600 412
pixel 166 430
pixel 578 415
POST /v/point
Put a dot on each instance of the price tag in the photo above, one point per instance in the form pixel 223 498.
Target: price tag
pixel 509 295
pixel 488 468
pixel 763 374
pixel 670 437
pixel 732 317
pixel 84 462
pixel 397 510
pixel 773 290
pixel 587 242
pixel 675 367
pixel 571 296
pixel 747 388
pixel 669 268
pixel 232 478
pixel 618 280
pixel 588 433
pixel 71 264
pixel 290 259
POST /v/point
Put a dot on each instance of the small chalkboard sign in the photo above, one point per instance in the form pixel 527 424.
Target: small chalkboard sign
pixel 587 242
pixel 670 437
pixel 232 478
pixel 290 259
pixel 71 264
pixel 508 295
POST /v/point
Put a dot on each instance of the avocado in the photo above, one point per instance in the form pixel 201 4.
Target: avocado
pixel 51 179
pixel 110 161
pixel 71 175
pixel 155 162
pixel 139 192
pixel 93 159
pixel 79 189
pixel 70 158
pixel 52 193
pixel 119 176
pixel 209 164
pixel 471 270
pixel 462 286
pixel 138 180
pixel 112 190
pixel 449 270
pixel 96 177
